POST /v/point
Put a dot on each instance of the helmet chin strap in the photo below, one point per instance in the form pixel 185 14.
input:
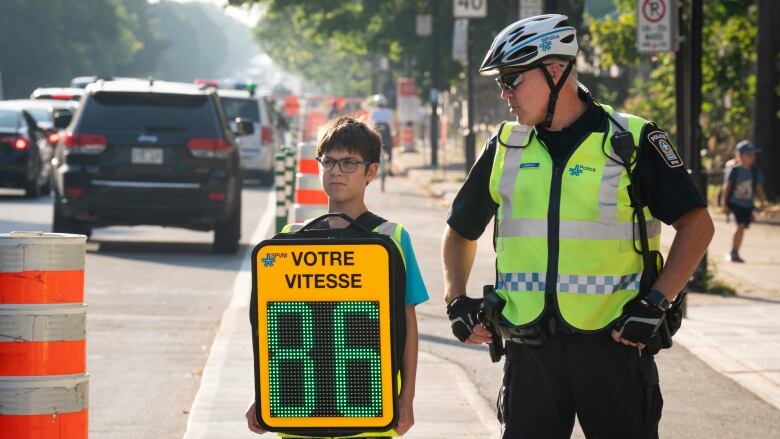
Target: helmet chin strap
pixel 554 89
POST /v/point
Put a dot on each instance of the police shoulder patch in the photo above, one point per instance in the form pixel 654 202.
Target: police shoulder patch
pixel 661 142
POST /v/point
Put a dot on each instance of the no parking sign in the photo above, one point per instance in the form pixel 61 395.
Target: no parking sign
pixel 656 26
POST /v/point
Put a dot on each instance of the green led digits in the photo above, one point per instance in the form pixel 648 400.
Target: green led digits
pixel 302 364
pixel 300 353
pixel 344 354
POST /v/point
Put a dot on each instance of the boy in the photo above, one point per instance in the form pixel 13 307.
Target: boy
pixel 740 184
pixel 348 154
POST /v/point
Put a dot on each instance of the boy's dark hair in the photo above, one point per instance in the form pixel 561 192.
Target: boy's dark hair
pixel 352 135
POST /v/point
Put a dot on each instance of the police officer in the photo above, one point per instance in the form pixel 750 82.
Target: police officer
pixel 570 265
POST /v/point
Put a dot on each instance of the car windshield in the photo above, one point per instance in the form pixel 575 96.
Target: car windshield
pixel 243 108
pixel 40 114
pixel 150 112
pixel 9 120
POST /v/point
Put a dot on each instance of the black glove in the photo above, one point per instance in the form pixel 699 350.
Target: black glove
pixel 463 312
pixel 640 320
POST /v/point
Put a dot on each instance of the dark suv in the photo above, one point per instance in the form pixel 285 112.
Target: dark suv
pixel 149 152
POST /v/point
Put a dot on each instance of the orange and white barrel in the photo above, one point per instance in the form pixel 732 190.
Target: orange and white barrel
pixel 310 199
pixel 44 386
pixel 44 408
pixel 307 159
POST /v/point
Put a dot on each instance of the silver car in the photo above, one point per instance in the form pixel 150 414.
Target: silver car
pixel 257 149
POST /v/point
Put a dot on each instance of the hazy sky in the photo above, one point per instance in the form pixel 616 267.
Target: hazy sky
pixel 243 14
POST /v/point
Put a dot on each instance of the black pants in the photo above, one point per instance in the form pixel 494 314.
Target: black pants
pixel 611 387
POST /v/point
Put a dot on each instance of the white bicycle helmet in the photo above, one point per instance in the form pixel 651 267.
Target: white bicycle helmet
pixel 527 42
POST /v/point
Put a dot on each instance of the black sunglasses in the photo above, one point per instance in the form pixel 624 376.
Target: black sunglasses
pixel 510 80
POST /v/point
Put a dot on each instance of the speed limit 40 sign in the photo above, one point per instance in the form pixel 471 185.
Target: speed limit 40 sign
pixel 469 8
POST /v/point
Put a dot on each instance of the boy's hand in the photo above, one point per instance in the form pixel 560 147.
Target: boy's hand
pixel 405 414
pixel 251 420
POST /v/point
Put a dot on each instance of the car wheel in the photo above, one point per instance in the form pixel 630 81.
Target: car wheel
pixel 63 224
pixel 227 233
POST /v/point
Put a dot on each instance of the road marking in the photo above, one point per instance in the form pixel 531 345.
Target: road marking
pixel 203 404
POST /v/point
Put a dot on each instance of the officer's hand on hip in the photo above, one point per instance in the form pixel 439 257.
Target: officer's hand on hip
pixel 640 320
pixel 463 312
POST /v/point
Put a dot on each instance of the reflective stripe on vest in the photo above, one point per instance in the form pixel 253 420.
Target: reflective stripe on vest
pixel 597 270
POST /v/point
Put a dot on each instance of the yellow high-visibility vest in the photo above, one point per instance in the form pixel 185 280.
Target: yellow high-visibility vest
pixel 568 230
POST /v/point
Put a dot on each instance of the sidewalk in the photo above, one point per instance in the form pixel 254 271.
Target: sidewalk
pixel 737 336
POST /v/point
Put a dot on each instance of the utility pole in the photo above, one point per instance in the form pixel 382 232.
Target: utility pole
pixel 766 119
pixel 688 87
pixel 434 83
pixel 470 140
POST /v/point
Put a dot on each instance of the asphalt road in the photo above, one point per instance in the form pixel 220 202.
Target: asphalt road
pixel 155 296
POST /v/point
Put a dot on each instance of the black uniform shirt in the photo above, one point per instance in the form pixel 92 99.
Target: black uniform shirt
pixel 666 187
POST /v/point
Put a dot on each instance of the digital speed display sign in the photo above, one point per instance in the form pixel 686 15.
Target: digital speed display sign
pixel 324 343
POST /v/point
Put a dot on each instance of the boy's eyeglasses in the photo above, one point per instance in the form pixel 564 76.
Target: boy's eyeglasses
pixel 510 80
pixel 347 165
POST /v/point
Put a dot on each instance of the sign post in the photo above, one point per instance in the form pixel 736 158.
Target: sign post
pixel 463 11
pixel 325 344
pixel 656 26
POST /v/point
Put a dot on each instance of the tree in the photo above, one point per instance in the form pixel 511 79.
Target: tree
pixel 728 71
pixel 54 41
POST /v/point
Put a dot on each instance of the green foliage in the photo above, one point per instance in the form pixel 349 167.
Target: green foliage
pixel 342 37
pixel 48 42
pixel 727 68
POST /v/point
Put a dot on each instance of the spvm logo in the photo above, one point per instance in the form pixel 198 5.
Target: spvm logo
pixel 270 258
pixel 577 170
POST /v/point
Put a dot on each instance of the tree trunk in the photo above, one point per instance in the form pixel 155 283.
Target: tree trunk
pixel 766 123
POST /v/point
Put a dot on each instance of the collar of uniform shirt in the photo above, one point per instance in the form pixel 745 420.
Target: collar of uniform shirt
pixel 590 120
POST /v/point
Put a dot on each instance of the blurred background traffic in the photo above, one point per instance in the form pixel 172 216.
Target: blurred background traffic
pixel 709 76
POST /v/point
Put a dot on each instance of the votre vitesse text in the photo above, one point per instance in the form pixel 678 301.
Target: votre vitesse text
pixel 323 280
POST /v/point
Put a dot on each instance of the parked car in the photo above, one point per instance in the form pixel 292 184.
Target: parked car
pixel 257 148
pixel 57 93
pixel 149 152
pixel 50 115
pixel 25 154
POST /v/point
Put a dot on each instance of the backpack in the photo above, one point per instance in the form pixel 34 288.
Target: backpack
pixel 316 233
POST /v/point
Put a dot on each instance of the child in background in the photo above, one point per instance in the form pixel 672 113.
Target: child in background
pixel 740 185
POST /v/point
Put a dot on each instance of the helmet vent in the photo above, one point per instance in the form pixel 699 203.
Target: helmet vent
pixel 497 52
pixel 520 38
pixel 562 23
pixel 568 39
pixel 522 54
pixel 516 31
